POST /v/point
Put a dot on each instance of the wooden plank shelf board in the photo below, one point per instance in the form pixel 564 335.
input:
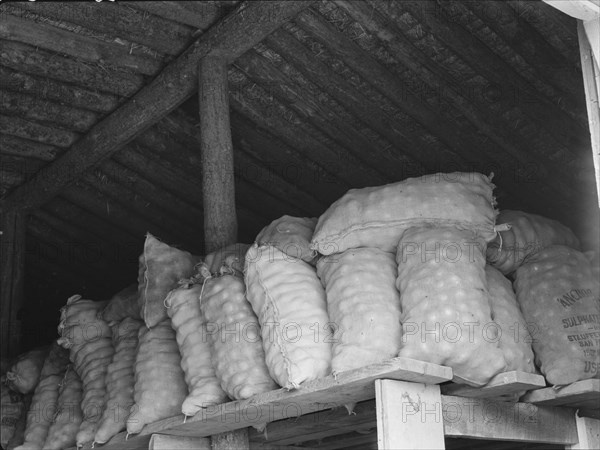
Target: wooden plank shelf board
pixel 319 395
pixel 503 384
pixel 350 440
pixel 305 418
pixel 318 425
pixel 488 419
pixel 583 395
pixel 259 446
pixel 464 418
pixel 166 442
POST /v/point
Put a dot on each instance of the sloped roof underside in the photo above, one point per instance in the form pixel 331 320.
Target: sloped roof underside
pixel 348 94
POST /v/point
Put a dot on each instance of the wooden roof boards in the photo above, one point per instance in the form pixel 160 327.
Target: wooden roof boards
pixel 327 96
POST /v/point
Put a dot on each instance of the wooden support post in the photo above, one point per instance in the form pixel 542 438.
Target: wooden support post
pixel 220 222
pixel 591 83
pixel 167 442
pixel 409 415
pixel 12 257
pixel 588 432
pixel 231 37
pixel 218 190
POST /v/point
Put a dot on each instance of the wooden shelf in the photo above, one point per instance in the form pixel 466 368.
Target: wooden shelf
pixel 313 416
pixel 463 418
pixel 583 395
pixel 313 397
pixel 507 385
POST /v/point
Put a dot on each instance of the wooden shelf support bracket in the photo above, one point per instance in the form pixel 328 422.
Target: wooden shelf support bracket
pixel 409 415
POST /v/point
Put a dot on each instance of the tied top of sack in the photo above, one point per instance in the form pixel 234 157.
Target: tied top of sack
pixel 161 268
pixel 527 235
pixel 377 216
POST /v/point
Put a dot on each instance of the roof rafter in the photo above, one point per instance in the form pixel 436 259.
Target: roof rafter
pixel 239 31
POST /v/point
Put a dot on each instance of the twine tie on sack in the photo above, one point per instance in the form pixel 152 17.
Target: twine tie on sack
pixel 498 229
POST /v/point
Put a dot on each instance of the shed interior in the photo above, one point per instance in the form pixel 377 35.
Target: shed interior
pixel 344 95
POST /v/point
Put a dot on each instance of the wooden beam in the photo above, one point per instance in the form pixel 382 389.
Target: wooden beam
pixel 75 210
pixel 482 31
pixel 580 9
pixel 588 434
pixel 365 105
pixel 83 196
pixel 154 154
pixel 22 166
pixel 491 66
pixel 200 15
pixel 409 415
pixel 342 128
pixel 79 46
pixel 506 383
pixel 507 421
pixel 318 425
pixel 117 20
pixel 363 441
pixel 8 180
pixel 146 192
pixel 106 202
pixel 591 83
pixel 33 108
pixel 49 89
pixel 177 158
pixel 592 31
pixel 556 27
pixel 528 43
pixel 180 180
pixel 28 59
pixel 262 446
pixel 384 82
pixel 44 134
pixel 276 155
pixel 79 258
pixel 117 189
pixel 250 171
pixel 232 440
pixel 12 256
pixel 230 38
pixel 105 247
pixel 454 145
pixel 299 136
pixel 139 443
pixel 166 442
pixel 16 146
pixel 183 151
pixel 584 394
pixel 439 155
pixel 475 109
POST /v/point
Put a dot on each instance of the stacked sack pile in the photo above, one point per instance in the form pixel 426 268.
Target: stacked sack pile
pixel 557 291
pixel 423 242
pixel 289 301
pixel 417 269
